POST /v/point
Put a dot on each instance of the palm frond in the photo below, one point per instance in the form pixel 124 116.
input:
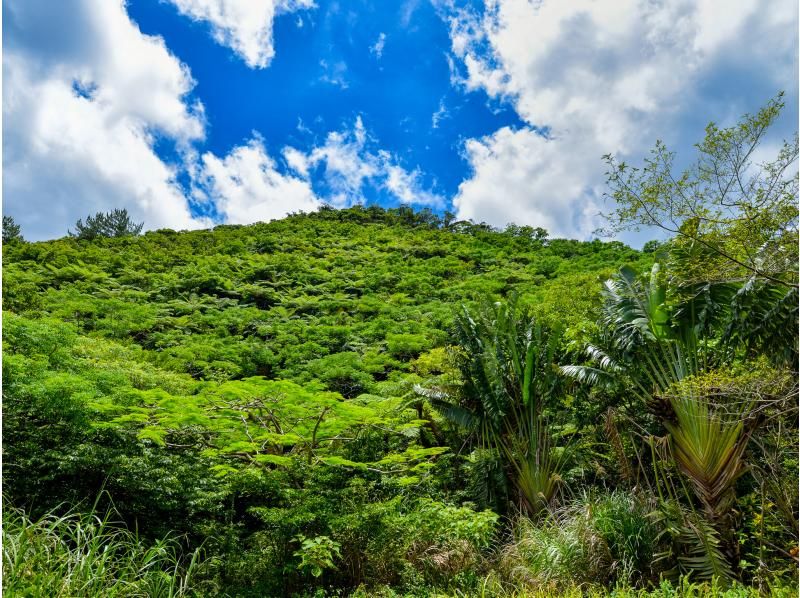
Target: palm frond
pixel 510 374
pixel 588 375
pixel 456 414
pixel 708 449
pixel 703 557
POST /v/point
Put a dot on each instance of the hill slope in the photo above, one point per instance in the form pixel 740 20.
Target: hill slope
pixel 278 299
pixel 253 386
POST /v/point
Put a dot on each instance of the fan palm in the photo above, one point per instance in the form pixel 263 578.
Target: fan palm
pixel 507 362
pixel 708 448
pixel 661 356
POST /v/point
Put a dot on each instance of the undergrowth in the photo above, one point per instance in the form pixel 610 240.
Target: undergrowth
pixel 87 555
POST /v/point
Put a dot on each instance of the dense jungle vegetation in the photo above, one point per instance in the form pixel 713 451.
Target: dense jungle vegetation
pixel 387 402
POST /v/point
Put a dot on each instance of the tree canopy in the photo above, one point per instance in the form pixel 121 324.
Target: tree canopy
pixel 733 212
pixel 116 223
pixel 11 230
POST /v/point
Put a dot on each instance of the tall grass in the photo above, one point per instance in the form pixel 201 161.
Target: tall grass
pixel 85 555
pixel 600 545
pixel 608 539
pixel 491 587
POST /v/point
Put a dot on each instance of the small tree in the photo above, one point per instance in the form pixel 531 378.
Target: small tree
pixel 11 230
pixel 731 217
pixel 116 223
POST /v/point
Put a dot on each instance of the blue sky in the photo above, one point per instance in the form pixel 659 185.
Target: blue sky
pixel 328 72
pixel 196 112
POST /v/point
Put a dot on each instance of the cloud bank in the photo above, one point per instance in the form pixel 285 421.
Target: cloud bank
pixel 88 100
pixel 589 78
pixel 99 115
pixel 86 96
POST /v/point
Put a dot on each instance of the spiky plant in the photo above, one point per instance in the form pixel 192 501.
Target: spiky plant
pixel 660 356
pixel 508 365
pixel 708 447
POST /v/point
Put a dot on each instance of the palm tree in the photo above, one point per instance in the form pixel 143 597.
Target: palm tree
pixel 664 362
pixel 508 366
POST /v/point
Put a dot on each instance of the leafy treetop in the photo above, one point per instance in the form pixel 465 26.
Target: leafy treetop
pixel 116 223
pixel 11 230
pixel 732 217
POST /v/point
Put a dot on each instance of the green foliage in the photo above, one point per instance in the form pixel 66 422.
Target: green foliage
pixel 605 540
pixel 116 223
pixel 11 230
pixel 730 217
pixel 508 366
pixel 708 447
pixel 348 401
pixel 406 346
pixel 425 542
pixel 709 417
pixel 684 588
pixel 316 554
pixel 86 555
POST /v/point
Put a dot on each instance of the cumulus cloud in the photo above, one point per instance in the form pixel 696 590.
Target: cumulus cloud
pixel 247 187
pixel 522 177
pixel 346 164
pixel 591 78
pixel 245 26
pixel 348 161
pixel 88 97
pixel 85 97
pixel 408 188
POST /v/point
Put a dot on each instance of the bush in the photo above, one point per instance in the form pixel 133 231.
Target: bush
pixel 428 544
pixel 622 521
pixel 406 346
pixel 683 588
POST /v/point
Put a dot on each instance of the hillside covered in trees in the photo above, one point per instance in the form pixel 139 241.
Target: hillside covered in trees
pixel 384 402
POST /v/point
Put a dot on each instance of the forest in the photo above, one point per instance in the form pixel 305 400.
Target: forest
pixel 388 402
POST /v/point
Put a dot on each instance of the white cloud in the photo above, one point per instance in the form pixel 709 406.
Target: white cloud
pixel 377 48
pixel 246 186
pixel 85 96
pixel 522 177
pixel 603 77
pixel 347 162
pixel 334 73
pixel 440 114
pixel 407 12
pixel 407 187
pixel 245 26
pixel 296 160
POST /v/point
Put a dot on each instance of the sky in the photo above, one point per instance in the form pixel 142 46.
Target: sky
pixel 191 113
